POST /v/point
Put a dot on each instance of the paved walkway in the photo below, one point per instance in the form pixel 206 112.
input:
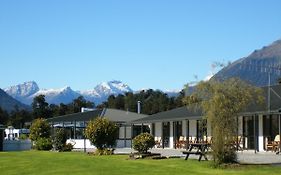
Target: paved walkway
pixel 244 157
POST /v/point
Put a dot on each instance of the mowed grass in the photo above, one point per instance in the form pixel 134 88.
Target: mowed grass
pixel 35 162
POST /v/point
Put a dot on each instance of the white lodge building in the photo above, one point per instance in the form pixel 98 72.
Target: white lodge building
pixel 257 126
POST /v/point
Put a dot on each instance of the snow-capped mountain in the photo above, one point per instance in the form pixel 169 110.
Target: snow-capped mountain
pixel 27 91
pixel 102 91
pixel 56 96
pixel 21 92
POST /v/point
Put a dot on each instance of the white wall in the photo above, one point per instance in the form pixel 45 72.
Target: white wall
pixel 128 132
pixel 184 128
pixel 192 128
pixel 121 132
pixel 79 143
pixel 171 138
pixel 158 129
pixel 260 137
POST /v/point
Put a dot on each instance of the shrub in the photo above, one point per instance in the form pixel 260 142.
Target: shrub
pixel 143 142
pixel 40 132
pixel 102 133
pixel 59 139
pixel 40 128
pixel 44 144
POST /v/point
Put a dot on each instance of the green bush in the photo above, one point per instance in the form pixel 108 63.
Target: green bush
pixel 102 133
pixel 59 139
pixel 143 142
pixel 40 128
pixel 44 144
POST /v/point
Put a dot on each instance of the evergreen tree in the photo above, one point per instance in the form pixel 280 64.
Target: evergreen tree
pixel 40 107
pixel 78 103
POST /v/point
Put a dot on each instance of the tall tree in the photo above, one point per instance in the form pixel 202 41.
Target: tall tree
pixel 221 103
pixel 80 102
pixel 40 107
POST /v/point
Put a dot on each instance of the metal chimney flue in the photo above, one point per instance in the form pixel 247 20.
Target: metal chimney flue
pixel 139 107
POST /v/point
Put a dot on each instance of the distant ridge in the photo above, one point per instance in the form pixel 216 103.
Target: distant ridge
pixel 256 67
pixel 9 104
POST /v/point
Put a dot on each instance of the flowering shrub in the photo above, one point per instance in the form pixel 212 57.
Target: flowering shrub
pixel 102 133
pixel 143 142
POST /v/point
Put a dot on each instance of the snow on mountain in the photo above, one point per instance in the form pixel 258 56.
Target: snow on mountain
pixel 112 87
pixel 22 91
pixel 102 91
pixel 56 96
pixel 27 91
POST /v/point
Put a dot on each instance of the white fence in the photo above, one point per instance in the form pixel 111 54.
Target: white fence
pixel 16 145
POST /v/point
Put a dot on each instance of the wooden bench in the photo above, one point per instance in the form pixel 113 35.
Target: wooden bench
pixel 202 149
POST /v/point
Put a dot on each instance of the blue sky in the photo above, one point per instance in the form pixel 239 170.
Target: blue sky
pixel 146 44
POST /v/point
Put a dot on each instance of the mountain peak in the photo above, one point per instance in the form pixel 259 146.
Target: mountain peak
pixel 22 90
pixel 112 87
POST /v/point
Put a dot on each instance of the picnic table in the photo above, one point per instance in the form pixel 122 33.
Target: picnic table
pixel 200 149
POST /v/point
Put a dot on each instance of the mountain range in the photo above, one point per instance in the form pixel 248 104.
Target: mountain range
pixel 258 68
pixel 26 91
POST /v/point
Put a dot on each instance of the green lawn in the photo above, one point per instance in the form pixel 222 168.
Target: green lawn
pixel 34 162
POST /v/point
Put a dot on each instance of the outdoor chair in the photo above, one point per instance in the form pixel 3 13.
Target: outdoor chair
pixel 273 145
pixel 207 139
pixel 192 139
pixel 181 142
pixel 238 143
pixel 158 142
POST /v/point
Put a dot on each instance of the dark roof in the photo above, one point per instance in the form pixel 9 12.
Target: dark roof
pixel 121 116
pixel 81 116
pixel 186 112
pixel 115 115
